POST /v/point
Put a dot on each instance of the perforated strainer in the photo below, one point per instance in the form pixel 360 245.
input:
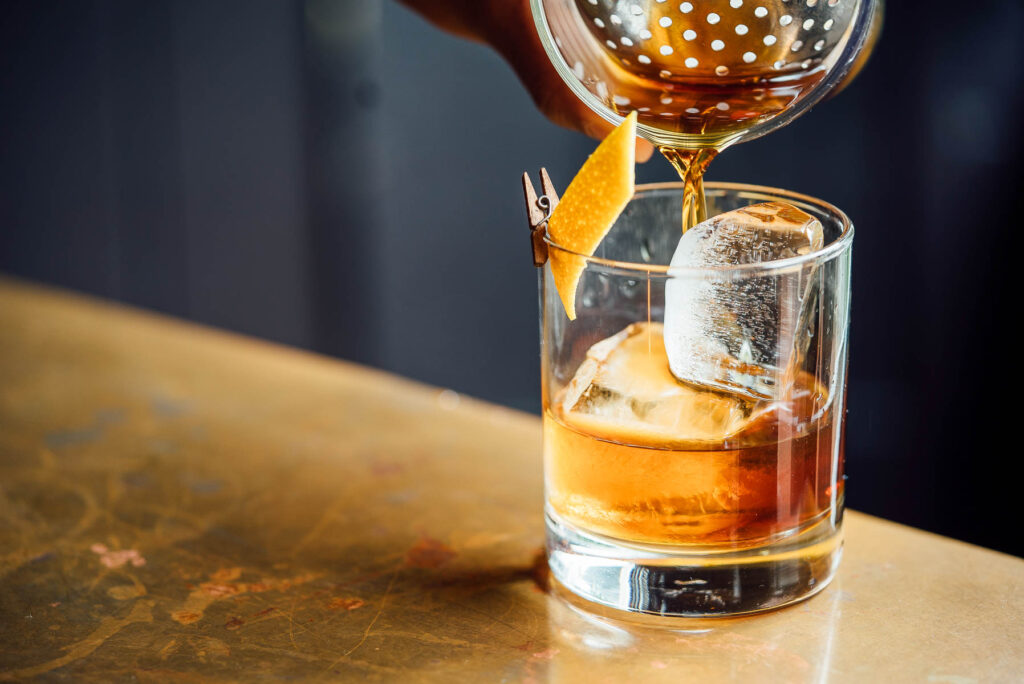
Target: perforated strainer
pixel 704 73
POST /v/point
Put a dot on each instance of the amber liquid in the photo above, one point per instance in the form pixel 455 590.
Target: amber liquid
pixel 707 107
pixel 774 478
pixel 711 71
pixel 713 113
pixel 710 111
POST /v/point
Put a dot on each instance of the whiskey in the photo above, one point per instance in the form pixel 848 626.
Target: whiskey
pixel 707 70
pixel 719 491
pixel 701 75
pixel 702 112
pixel 705 488
pixel 633 454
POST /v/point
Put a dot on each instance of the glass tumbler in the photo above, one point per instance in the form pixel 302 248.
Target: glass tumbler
pixel 719 495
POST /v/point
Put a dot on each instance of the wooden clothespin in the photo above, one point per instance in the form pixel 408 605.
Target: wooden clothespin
pixel 538 211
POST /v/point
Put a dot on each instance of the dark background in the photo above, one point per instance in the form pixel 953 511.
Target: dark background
pixel 338 175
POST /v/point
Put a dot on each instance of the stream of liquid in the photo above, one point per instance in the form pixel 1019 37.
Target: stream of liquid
pixel 710 117
pixel 691 164
pixel 699 76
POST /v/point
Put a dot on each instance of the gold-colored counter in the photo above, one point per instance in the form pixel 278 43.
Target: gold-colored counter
pixel 181 504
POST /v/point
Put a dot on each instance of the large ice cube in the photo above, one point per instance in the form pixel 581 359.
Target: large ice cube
pixel 744 330
pixel 624 391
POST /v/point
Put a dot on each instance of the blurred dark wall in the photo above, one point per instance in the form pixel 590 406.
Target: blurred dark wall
pixel 338 175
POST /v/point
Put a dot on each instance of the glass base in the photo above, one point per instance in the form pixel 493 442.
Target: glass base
pixel 674 581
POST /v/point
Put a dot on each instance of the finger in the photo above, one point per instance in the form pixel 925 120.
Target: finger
pixel 551 94
pixel 644 150
pixel 563 107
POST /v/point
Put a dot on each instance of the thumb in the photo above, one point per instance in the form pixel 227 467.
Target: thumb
pixel 644 150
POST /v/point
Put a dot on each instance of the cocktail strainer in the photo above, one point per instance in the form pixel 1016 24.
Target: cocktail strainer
pixel 705 73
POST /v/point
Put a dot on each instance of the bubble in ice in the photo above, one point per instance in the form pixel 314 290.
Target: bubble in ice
pixel 743 331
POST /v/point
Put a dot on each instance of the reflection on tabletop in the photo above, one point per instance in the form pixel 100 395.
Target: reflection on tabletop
pixel 588 643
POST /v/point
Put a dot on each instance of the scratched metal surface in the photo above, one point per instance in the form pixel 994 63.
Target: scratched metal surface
pixel 178 504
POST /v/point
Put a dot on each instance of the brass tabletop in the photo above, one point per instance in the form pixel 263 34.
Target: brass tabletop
pixel 181 504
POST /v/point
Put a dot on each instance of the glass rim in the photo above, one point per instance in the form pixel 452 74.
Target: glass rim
pixel 839 245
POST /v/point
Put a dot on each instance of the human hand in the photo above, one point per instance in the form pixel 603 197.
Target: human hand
pixel 507 26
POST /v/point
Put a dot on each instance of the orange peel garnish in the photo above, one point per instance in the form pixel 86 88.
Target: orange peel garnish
pixel 590 206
